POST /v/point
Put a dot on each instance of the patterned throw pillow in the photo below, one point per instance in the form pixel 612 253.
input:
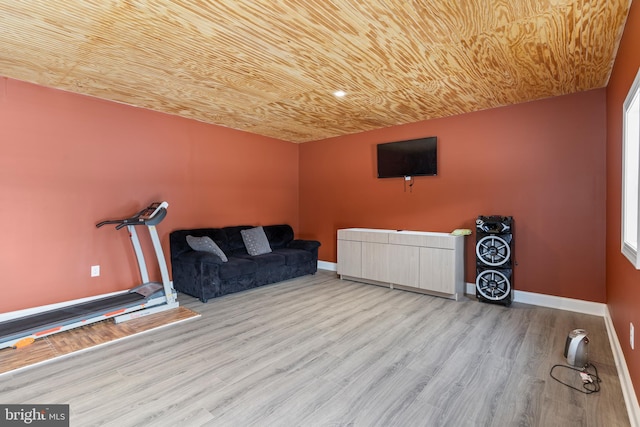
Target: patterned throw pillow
pixel 205 244
pixel 255 241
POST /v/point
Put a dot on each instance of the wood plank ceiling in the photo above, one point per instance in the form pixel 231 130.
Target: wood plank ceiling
pixel 271 66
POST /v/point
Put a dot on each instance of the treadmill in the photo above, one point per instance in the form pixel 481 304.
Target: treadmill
pixel 145 299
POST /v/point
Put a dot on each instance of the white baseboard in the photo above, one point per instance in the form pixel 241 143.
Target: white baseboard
pixel 551 301
pixel 330 266
pixel 561 303
pixel 630 398
pixel 542 300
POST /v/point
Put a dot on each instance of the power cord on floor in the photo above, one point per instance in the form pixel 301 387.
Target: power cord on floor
pixel 590 381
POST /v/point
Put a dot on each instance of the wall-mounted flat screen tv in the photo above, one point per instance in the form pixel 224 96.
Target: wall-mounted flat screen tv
pixel 414 157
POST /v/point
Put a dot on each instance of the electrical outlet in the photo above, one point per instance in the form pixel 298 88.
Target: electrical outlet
pixel 631 335
pixel 95 270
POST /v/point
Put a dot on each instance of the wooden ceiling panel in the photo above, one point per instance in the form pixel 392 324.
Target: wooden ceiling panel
pixel 271 66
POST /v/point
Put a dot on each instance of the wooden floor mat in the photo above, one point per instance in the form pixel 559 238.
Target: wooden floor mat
pixel 85 337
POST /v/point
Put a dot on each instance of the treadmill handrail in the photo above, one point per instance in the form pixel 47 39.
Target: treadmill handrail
pixel 151 215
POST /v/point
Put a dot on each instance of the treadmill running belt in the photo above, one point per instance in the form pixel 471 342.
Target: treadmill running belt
pixel 66 315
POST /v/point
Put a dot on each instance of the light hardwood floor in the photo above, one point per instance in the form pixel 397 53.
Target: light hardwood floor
pixel 62 344
pixel 318 351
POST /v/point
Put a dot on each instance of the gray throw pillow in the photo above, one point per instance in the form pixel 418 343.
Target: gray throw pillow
pixel 255 241
pixel 206 244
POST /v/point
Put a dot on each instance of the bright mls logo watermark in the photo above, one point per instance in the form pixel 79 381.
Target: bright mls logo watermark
pixel 34 415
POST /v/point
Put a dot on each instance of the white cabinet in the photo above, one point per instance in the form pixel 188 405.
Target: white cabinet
pixel 416 260
pixel 372 268
pixel 404 265
pixel 350 258
pixel 437 267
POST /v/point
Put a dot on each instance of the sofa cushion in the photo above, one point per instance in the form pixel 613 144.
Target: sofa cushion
pixel 237 267
pixel 279 236
pixel 205 244
pixel 294 256
pixel 255 241
pixel 234 239
pixel 266 261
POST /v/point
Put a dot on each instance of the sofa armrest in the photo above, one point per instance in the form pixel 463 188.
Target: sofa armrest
pixel 307 245
pixel 197 273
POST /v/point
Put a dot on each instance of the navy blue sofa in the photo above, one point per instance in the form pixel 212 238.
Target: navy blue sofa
pixel 204 275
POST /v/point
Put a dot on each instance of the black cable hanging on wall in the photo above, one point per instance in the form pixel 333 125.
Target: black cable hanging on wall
pixel 411 182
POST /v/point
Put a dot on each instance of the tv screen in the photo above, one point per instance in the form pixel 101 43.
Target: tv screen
pixel 415 157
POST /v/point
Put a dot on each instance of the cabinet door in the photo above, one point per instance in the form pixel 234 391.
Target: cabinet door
pixel 437 270
pixel 404 266
pixel 375 261
pixel 350 258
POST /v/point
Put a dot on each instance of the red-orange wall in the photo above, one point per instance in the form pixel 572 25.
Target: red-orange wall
pixel 70 161
pixel 623 281
pixel 542 162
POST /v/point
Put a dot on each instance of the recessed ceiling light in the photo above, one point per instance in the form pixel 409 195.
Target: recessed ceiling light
pixel 339 93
